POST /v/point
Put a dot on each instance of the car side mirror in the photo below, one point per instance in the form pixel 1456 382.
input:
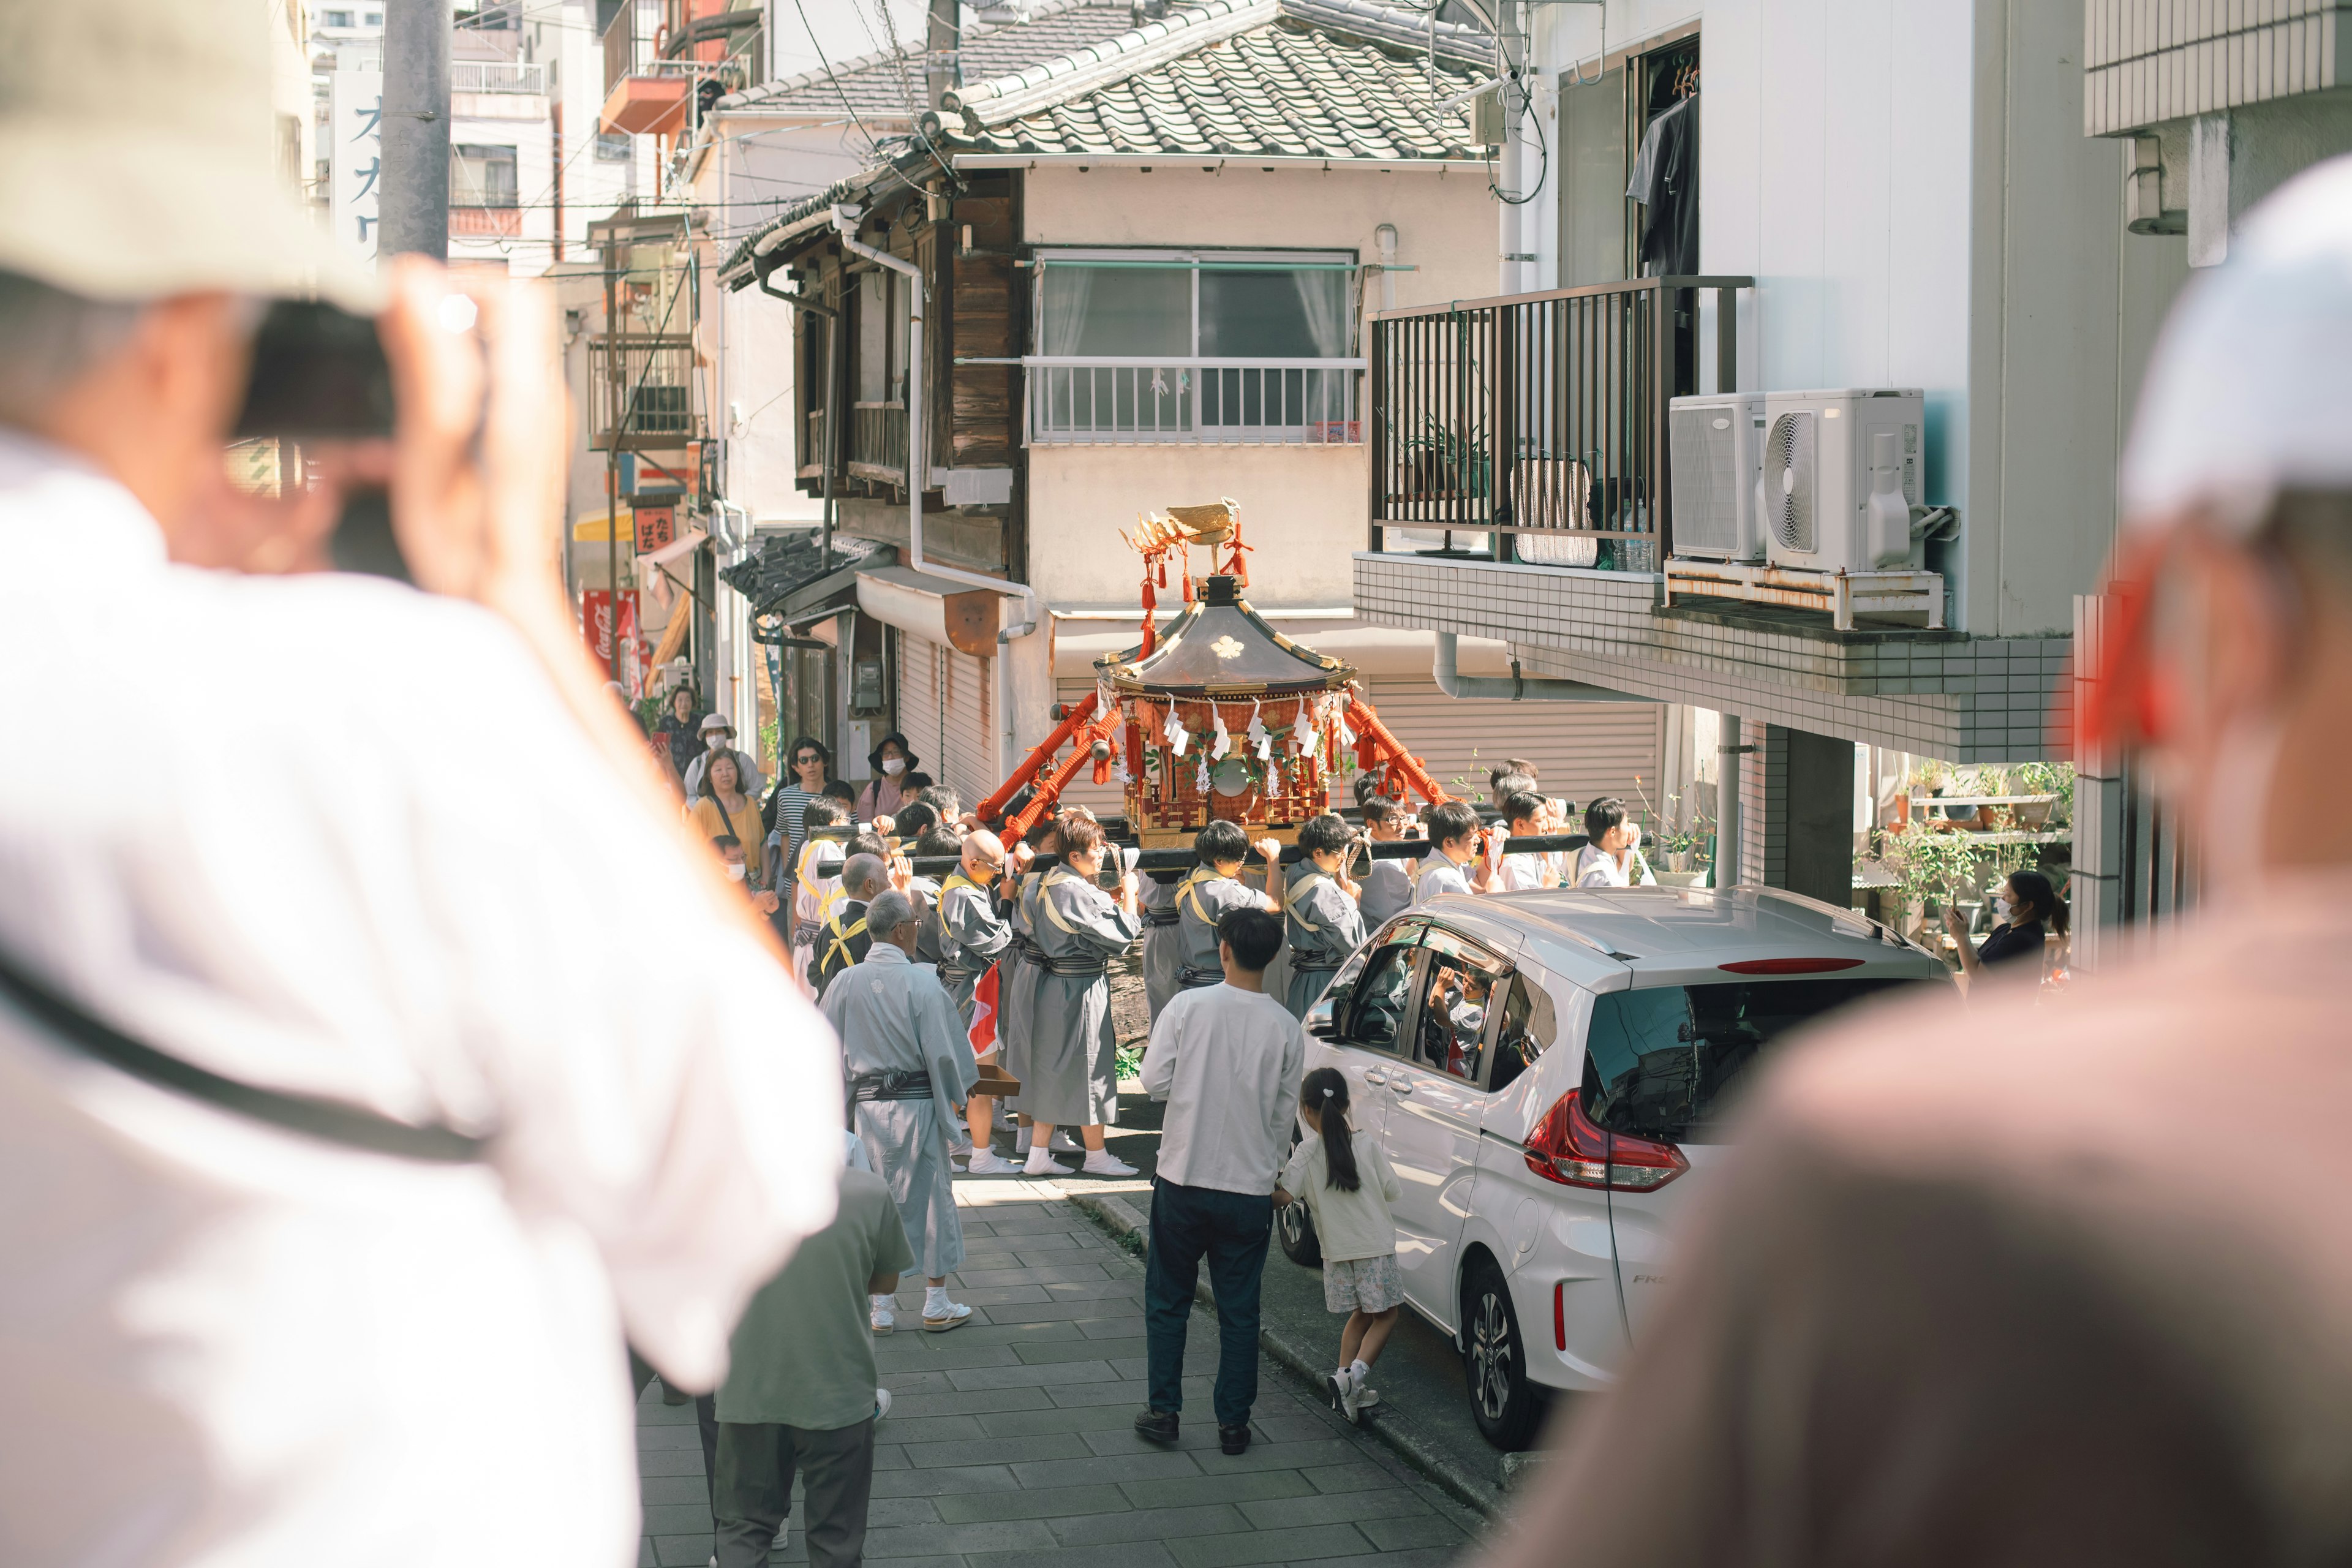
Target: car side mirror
pixel 1322 1020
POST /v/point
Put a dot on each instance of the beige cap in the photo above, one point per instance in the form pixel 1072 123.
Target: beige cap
pixel 138 156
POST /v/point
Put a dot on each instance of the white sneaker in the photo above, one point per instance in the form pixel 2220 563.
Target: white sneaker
pixel 1103 1162
pixel 1342 1390
pixel 1041 1164
pixel 881 1408
pixel 989 1162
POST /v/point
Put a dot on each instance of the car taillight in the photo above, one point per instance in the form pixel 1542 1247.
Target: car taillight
pixel 1789 965
pixel 1567 1148
pixel 1560 1315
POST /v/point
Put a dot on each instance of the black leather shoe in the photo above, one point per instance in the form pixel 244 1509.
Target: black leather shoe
pixel 1233 1439
pixel 1156 1426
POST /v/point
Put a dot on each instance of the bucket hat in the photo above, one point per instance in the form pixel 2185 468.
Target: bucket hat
pixel 166 178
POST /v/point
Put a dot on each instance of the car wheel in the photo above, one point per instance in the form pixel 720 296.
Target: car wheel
pixel 1503 1402
pixel 1295 1229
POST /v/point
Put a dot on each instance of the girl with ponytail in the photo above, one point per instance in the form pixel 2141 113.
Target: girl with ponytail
pixel 1347 1187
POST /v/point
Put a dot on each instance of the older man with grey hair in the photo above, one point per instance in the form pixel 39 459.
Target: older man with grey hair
pixel 311 1114
pixel 909 1069
pixel 848 931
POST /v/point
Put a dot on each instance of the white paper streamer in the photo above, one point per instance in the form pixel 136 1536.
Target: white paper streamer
pixel 1302 733
pixel 1260 740
pixel 1224 741
pixel 1174 731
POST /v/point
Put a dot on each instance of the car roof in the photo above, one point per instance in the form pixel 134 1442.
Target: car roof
pixel 1590 934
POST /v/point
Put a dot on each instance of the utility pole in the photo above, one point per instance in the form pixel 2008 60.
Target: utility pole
pixel 941 43
pixel 414 187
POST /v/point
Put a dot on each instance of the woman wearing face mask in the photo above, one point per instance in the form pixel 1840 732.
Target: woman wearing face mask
pixel 722 808
pixel 2025 908
pixel 891 760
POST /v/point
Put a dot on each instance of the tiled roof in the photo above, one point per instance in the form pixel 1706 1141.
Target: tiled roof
pixel 1311 78
pixel 786 562
pixel 1338 79
pixel 880 86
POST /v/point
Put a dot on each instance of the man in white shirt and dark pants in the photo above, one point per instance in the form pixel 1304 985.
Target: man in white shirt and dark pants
pixel 1227 1059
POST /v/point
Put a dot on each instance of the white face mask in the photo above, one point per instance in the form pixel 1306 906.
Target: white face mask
pixel 716 740
pixel 735 870
pixel 2003 906
pixel 894 766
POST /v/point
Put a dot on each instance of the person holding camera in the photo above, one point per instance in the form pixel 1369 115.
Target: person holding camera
pixel 317 1105
pixel 1070 1073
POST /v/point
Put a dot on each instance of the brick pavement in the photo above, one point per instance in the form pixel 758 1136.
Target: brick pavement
pixel 1010 1444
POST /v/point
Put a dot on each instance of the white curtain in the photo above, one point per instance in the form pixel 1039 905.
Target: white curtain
pixel 1323 297
pixel 1062 321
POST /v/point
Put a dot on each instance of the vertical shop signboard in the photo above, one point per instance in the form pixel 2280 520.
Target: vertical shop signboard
pixel 596 622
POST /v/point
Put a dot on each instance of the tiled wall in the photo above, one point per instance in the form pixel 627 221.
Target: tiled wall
pixel 1965 699
pixel 2149 60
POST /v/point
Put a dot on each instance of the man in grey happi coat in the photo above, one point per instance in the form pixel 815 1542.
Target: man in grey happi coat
pixel 973 935
pixel 1211 888
pixel 1016 987
pixel 1071 1073
pixel 1324 921
pixel 909 1065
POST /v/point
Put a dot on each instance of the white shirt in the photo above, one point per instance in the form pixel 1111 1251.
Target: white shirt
pixel 1521 872
pixel 223 1343
pixel 1599 868
pixel 1228 1064
pixel 1438 875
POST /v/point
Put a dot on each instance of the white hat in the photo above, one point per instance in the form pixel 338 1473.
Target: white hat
pixel 141 156
pixel 2250 390
pixel 715 721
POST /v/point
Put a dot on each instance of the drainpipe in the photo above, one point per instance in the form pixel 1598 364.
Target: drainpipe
pixel 846 216
pixel 1518 688
pixel 1729 750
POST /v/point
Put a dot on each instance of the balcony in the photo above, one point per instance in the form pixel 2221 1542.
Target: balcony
pixel 1538 421
pixel 641 392
pixel 1079 400
pixel 485 222
pixel 497 76
pixel 640 98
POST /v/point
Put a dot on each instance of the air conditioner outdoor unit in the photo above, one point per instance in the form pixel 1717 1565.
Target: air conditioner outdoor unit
pixel 1839 475
pixel 1718 445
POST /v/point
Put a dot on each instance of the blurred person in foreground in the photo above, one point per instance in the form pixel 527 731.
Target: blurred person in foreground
pixel 1911 1326
pixel 438 1128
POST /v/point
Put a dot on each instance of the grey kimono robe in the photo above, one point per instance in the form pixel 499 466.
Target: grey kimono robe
pixel 971 936
pixel 1016 990
pixel 1072 1076
pixel 1324 926
pixel 893 1015
pixel 1201 899
pixel 1160 959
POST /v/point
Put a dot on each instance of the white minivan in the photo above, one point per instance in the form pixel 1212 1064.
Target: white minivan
pixel 1547 1071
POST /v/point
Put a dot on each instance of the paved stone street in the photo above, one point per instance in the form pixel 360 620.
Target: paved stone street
pixel 1010 1442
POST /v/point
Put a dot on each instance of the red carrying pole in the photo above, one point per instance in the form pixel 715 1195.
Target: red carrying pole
pixel 988 810
pixel 1049 787
pixel 1391 751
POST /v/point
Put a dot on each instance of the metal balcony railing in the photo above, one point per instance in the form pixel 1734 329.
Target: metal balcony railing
pixel 1539 420
pixel 485 222
pixel 1083 400
pixel 497 76
pixel 642 393
pixel 878 442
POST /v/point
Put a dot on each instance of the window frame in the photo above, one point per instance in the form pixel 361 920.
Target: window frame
pixel 1194 260
pixel 1409 1019
pixel 459 158
pixel 1502 972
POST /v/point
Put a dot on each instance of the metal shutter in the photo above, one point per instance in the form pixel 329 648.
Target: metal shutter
pixel 947 700
pixel 1584 749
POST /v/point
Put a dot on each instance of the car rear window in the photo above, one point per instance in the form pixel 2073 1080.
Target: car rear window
pixel 1668 1061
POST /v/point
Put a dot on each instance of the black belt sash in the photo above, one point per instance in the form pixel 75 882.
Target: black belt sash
pixel 1317 965
pixel 868 1086
pixel 1073 966
pixel 1159 917
pixel 1028 951
pixel 1193 979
